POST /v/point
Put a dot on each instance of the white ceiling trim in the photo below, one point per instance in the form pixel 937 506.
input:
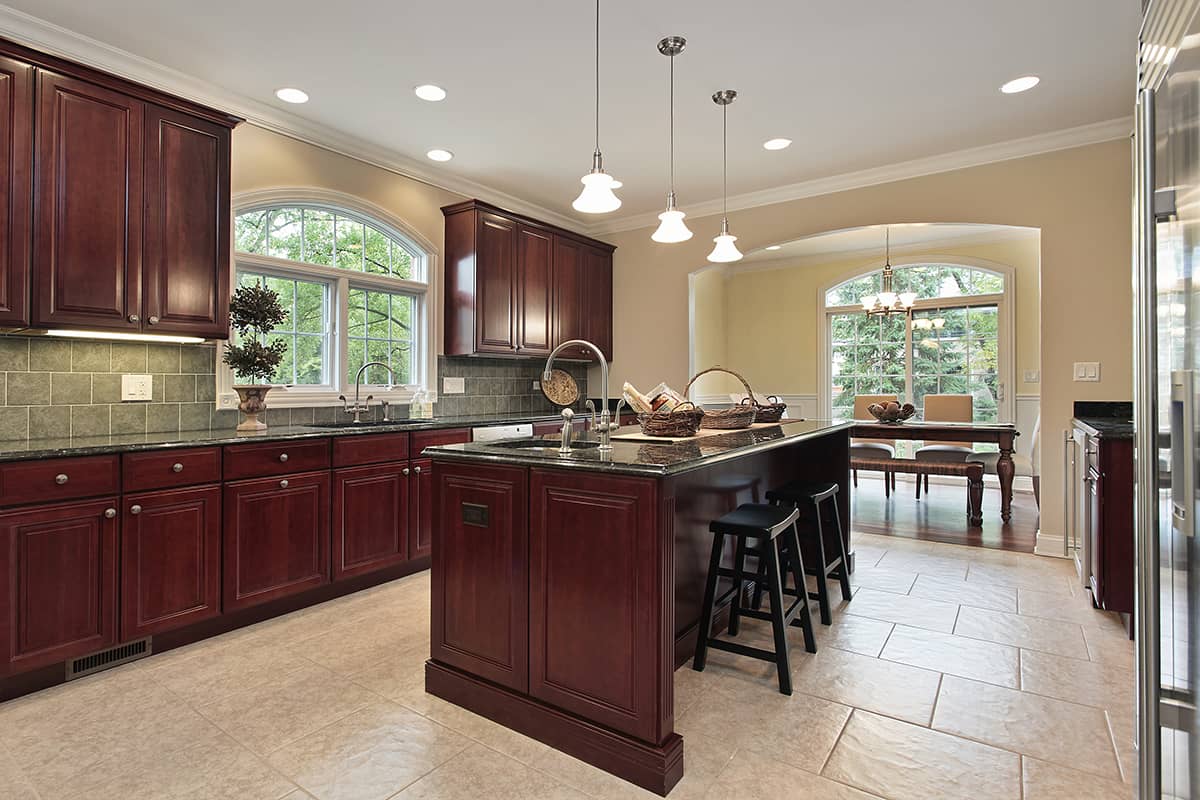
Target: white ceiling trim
pixel 1064 139
pixel 54 39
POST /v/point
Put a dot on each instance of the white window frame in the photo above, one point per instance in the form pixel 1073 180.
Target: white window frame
pixel 426 327
pixel 1006 358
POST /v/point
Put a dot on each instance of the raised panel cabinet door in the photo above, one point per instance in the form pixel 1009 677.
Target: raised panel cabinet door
pixel 58 581
pixel 598 303
pixel 535 290
pixel 170 559
pixel 480 580
pixel 186 255
pixel 420 542
pixel 495 284
pixel 568 294
pixel 596 646
pixel 16 188
pixel 87 216
pixel 370 518
pixel 276 538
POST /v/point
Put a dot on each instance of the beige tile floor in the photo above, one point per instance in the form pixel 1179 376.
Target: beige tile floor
pixel 955 672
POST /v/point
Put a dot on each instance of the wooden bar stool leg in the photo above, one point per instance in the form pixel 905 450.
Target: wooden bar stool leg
pixel 805 619
pixel 735 607
pixel 778 609
pixel 822 580
pixel 844 568
pixel 887 484
pixel 918 486
pixel 710 596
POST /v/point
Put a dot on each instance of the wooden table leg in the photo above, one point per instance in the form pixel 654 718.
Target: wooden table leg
pixel 1005 471
pixel 975 499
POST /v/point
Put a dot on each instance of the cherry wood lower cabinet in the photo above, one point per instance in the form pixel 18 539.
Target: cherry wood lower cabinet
pixel 420 509
pixel 480 573
pixel 370 518
pixel 170 559
pixel 276 538
pixel 602 670
pixel 58 574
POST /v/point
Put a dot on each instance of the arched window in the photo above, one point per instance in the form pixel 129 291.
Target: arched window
pixel 953 342
pixel 356 290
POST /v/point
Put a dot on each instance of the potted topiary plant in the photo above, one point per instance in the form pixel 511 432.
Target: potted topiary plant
pixel 254 312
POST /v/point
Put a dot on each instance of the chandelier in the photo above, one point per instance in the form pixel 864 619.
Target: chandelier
pixel 888 301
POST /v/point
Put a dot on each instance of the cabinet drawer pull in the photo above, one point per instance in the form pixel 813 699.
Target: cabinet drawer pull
pixel 283 484
pixel 417 470
pixel 61 478
pixel 283 457
pixel 153 320
pixel 135 509
pixel 404 472
pixel 177 467
pixel 134 318
pixel 110 513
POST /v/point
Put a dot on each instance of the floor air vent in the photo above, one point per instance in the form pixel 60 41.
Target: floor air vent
pixel 112 657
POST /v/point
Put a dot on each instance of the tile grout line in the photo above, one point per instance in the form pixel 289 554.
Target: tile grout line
pixel 836 741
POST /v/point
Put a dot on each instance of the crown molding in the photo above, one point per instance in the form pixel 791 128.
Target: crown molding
pixel 1064 139
pixel 56 40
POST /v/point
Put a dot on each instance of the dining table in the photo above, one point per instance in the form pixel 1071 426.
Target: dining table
pixel 1001 434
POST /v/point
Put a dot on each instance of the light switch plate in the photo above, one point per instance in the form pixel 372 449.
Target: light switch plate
pixel 1088 371
pixel 1033 375
pixel 454 385
pixel 137 387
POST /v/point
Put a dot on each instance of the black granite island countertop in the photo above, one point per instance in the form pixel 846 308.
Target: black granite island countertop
pixel 643 457
pixel 1112 420
pixel 32 449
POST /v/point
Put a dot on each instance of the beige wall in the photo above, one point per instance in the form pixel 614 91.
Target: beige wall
pixel 1078 198
pixel 777 301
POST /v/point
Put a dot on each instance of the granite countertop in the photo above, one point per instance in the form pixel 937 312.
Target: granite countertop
pixel 31 449
pixel 645 458
pixel 1107 427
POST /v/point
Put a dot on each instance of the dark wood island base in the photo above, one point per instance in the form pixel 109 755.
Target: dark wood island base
pixel 567 590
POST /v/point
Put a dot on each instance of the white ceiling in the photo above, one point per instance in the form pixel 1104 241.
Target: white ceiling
pixel 869 241
pixel 856 85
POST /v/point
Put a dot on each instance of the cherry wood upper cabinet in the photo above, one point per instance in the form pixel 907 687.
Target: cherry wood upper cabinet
pixel 503 292
pixel 16 194
pixel 186 255
pixel 58 576
pixel 87 218
pixel 598 299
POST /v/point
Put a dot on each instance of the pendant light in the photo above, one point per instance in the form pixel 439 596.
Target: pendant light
pixel 724 250
pixel 888 301
pixel 597 196
pixel 671 226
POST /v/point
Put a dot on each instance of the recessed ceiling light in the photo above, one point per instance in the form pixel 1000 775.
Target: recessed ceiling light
pixel 289 95
pixel 774 247
pixel 440 155
pixel 1020 84
pixel 776 144
pixel 427 91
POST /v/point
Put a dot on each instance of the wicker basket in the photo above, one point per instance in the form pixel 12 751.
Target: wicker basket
pixel 676 423
pixel 726 418
pixel 771 411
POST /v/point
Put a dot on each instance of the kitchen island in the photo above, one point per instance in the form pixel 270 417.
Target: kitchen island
pixel 567 587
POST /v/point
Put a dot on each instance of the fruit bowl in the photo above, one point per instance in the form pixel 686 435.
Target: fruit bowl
pixel 892 413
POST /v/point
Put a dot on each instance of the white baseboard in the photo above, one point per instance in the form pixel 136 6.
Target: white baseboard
pixel 1050 545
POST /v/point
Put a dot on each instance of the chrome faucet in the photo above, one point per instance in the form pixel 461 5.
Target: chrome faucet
pixel 605 427
pixel 358 408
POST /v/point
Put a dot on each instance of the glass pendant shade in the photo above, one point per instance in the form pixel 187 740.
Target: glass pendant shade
pixel 887 299
pixel 868 302
pixel 907 299
pixel 597 196
pixel 724 249
pixel 671 228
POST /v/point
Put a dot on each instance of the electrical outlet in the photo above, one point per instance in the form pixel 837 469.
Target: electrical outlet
pixel 137 387
pixel 1033 375
pixel 537 385
pixel 454 385
pixel 1088 371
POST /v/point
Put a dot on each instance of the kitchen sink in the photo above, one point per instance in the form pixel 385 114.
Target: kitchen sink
pixel 363 424
pixel 542 444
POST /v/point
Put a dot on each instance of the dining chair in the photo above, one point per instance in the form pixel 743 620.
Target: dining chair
pixel 1026 466
pixel 873 448
pixel 945 408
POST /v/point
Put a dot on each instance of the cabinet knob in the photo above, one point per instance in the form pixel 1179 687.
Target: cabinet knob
pixel 61 478
pixel 153 320
pixel 177 467
pixel 283 484
pixel 110 513
pixel 134 318
pixel 417 470
pixel 283 457
pixel 404 472
pixel 135 509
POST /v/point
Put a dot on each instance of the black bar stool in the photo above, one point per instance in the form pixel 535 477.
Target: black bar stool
pixel 763 524
pixel 802 495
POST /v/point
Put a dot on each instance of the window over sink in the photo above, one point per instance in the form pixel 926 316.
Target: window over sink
pixel 357 287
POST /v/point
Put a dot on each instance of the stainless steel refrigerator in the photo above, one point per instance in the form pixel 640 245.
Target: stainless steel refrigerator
pixel 1166 150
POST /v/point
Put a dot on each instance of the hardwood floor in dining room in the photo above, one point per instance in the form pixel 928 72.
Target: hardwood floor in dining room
pixel 940 515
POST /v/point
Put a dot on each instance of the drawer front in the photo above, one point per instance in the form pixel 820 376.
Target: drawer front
pixel 423 439
pixel 349 451
pixel 140 471
pixel 58 479
pixel 275 458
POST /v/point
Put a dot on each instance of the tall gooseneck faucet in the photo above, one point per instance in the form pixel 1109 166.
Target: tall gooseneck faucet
pixel 606 426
